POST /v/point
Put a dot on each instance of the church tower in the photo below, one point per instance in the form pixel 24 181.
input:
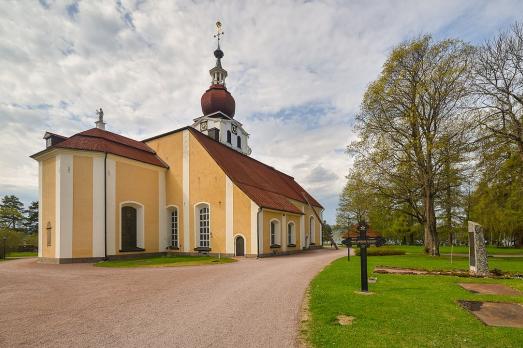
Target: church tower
pixel 218 107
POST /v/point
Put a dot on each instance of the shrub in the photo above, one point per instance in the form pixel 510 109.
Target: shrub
pixel 381 252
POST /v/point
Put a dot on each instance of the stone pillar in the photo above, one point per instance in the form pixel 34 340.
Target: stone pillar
pixel 478 263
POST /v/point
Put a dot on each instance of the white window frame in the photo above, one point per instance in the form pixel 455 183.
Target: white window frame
pixel 275 235
pixel 202 230
pixel 312 230
pixel 173 226
pixel 291 233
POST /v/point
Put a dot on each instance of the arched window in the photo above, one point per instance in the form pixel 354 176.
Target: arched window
pixel 172 224
pixel 203 225
pixel 291 236
pixel 312 230
pixel 275 233
pixel 239 142
pixel 229 137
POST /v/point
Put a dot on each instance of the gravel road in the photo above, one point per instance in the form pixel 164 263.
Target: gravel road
pixel 250 303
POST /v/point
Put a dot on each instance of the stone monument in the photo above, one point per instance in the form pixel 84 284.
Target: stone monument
pixel 478 263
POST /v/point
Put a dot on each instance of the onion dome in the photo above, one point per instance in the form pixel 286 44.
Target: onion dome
pixel 217 98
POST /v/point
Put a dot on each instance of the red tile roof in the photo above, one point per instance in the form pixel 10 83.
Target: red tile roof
pixel 266 186
pixel 104 141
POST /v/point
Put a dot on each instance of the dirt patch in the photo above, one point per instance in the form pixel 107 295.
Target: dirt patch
pixel 344 320
pixel 490 289
pixel 496 313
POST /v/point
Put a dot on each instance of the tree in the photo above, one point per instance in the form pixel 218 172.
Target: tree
pixel 31 218
pixel 409 116
pixel 326 232
pixel 11 212
pixel 499 88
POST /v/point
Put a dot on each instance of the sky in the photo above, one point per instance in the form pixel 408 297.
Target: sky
pixel 297 70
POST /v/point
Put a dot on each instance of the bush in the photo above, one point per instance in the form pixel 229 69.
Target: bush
pixel 13 241
pixel 381 252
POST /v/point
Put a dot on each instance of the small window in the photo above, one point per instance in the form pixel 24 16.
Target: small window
pixel 48 142
pixel 239 142
pixel 229 137
pixel 275 233
pixel 290 234
pixel 48 228
pixel 173 227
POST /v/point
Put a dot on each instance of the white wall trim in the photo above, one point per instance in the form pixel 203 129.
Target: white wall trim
pixel 111 206
pixel 312 231
pixel 254 228
pixel 64 206
pixel 98 207
pixel 40 208
pixel 185 191
pixel 163 240
pixel 229 220
pixel 293 232
pixel 261 231
pixel 283 235
pixel 140 225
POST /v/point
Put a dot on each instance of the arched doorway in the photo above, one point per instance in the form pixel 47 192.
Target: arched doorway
pixel 129 228
pixel 240 246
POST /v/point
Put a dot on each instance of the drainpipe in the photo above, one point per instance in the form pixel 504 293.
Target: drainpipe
pixel 258 232
pixel 105 207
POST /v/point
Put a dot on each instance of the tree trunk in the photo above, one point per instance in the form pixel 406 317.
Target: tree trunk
pixel 431 237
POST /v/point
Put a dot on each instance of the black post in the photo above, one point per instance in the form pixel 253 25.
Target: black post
pixel 5 241
pixel 363 260
pixel 362 228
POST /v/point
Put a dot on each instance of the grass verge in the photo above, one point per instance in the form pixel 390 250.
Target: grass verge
pixel 405 310
pixel 166 261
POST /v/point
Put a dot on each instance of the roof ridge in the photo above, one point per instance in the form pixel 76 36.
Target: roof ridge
pixel 84 134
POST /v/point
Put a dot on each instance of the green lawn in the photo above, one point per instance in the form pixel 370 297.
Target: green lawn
pixel 18 254
pixel 166 261
pixel 414 249
pixel 405 310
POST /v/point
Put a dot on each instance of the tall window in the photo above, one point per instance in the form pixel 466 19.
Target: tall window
pixel 203 226
pixel 290 234
pixel 239 142
pixel 173 227
pixel 275 232
pixel 229 137
pixel 311 229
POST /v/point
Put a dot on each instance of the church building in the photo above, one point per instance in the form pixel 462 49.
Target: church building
pixel 193 190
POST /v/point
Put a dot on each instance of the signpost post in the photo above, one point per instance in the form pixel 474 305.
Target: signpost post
pixel 363 241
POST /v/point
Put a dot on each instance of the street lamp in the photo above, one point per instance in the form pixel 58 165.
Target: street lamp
pixel 5 241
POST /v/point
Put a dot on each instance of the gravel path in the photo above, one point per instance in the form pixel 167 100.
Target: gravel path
pixel 250 303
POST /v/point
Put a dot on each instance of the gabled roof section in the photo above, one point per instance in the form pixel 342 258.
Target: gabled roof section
pixel 266 186
pixel 99 140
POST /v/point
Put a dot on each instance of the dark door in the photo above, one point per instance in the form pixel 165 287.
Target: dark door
pixel 128 228
pixel 239 246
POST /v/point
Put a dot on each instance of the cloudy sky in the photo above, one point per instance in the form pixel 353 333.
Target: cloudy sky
pixel 297 70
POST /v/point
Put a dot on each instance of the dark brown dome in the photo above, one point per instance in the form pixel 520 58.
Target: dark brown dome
pixel 217 98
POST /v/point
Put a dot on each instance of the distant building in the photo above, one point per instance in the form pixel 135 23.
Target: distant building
pixel 192 190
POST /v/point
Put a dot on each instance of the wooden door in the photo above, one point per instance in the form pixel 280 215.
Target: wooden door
pixel 128 228
pixel 240 249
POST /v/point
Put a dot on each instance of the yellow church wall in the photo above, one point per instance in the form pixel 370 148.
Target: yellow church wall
pixel 308 213
pixel 242 218
pixel 82 206
pixel 138 183
pixel 206 184
pixel 170 149
pixel 48 206
pixel 269 215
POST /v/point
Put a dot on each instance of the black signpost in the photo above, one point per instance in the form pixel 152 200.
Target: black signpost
pixel 363 242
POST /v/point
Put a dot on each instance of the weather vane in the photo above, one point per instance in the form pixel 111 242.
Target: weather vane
pixel 219 31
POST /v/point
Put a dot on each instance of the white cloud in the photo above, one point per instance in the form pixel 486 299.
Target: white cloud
pixel 296 69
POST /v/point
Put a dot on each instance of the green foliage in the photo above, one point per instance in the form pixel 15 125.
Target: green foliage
pixel 13 241
pixel 31 219
pixel 11 212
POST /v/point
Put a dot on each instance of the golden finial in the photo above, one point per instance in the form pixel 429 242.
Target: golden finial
pixel 219 31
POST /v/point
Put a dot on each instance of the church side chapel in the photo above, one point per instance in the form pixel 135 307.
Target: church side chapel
pixel 193 190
